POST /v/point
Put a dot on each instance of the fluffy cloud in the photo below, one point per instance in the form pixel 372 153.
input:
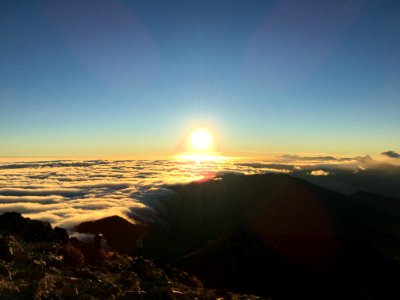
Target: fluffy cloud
pixel 319 173
pixel 318 159
pixel 34 199
pixel 67 193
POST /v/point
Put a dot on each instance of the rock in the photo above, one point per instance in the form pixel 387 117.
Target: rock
pixel 54 260
pixel 60 235
pixel 176 293
pixel 134 295
pixel 39 262
pixel 5 271
pixel 37 269
pixel 33 270
pixel 47 247
pixel 93 256
pixel 93 290
pixel 32 230
pixel 6 251
pixel 85 274
pixel 69 292
pixel 37 231
pixel 12 222
pixel 84 296
pixel 42 266
pixel 23 257
pixel 162 293
pixel 129 280
pixel 53 271
pixel 31 292
pixel 72 256
pixel 109 288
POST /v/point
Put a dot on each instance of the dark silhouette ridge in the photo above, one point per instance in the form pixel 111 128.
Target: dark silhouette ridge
pixel 314 237
pixel 278 236
pixel 31 230
pixel 240 262
pixel 389 205
pixel 120 234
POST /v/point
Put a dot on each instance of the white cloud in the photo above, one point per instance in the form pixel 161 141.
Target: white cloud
pixel 67 192
pixel 319 173
pixel 38 199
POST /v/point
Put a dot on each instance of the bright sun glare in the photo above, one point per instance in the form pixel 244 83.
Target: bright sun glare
pixel 201 139
pixel 200 146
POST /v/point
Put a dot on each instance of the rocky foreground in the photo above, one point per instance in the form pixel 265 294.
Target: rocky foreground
pixel 41 262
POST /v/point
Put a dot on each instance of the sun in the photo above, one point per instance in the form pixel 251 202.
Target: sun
pixel 199 145
pixel 201 139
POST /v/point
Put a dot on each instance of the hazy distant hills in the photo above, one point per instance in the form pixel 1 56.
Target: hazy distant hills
pixel 278 236
pixel 363 174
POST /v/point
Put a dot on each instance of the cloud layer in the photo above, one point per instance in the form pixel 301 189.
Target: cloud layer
pixel 67 192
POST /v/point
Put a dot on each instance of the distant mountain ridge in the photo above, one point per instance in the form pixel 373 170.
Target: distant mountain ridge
pixel 363 174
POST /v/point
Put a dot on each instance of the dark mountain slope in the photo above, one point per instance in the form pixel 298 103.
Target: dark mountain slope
pixel 274 207
pixel 308 239
pixel 120 234
pixel 388 205
pixel 278 236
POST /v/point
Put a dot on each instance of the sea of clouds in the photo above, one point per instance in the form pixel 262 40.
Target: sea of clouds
pixel 68 192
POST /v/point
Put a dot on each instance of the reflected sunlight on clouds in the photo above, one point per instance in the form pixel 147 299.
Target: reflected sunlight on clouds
pixel 67 192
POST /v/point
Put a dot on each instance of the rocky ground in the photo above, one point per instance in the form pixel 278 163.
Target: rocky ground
pixel 41 262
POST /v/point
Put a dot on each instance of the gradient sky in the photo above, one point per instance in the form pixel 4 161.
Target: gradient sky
pixel 94 78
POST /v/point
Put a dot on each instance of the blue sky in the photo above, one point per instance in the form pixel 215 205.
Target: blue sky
pixel 131 78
